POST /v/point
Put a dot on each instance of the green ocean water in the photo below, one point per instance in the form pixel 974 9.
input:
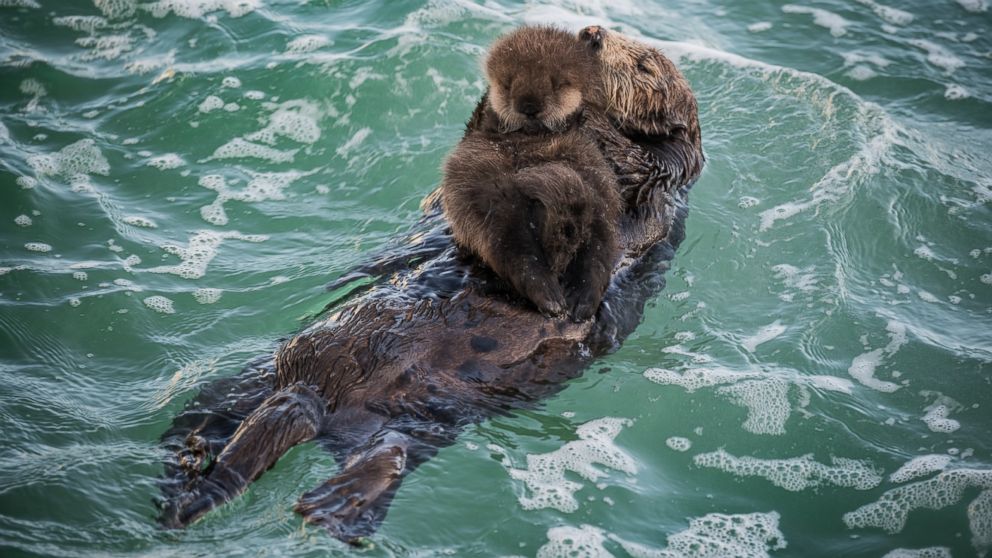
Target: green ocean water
pixel 181 178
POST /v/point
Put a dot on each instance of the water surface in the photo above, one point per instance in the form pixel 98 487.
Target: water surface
pixel 180 179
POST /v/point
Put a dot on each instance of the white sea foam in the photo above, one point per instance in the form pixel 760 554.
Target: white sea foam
pixel 207 295
pixel 892 509
pixel 116 9
pixel 936 418
pixel 760 26
pixel 306 43
pixel 891 15
pixel 696 378
pixel 545 473
pixel 230 81
pixel 679 443
pixel 861 72
pixel 584 541
pixel 160 304
pixel 921 466
pixel 199 251
pixel 239 148
pixel 166 162
pixel 296 120
pixel 974 6
pixel 354 141
pixel 929 552
pixel 19 4
pixel 262 187
pixel 938 55
pixel 80 158
pixel 764 335
pixel 956 92
pixel 211 103
pixel 796 473
pixel 23 221
pixel 863 366
pixel 718 535
pixel 38 247
pixel 835 23
pixel 199 8
pixel 138 221
pixel 766 401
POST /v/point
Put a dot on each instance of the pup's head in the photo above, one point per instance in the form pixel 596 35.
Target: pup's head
pixel 539 77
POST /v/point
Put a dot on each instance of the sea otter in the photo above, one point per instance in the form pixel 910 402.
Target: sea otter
pixel 526 190
pixel 391 375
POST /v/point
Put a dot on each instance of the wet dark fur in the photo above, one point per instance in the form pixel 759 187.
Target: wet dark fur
pixel 433 344
pixel 526 190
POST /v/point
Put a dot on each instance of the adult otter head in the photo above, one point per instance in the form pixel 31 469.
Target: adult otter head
pixel 539 77
pixel 645 93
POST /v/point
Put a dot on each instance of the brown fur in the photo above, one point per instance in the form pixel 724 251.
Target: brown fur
pixel 526 190
pixel 650 101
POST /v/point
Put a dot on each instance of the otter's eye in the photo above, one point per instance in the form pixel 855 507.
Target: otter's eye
pixel 642 67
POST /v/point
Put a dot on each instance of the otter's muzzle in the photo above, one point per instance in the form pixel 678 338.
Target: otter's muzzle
pixel 593 35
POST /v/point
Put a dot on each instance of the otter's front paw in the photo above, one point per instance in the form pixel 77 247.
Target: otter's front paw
pixel 583 302
pixel 548 296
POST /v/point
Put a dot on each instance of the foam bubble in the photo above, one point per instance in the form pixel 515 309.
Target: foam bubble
pixel 894 16
pixel 4 133
pixel 891 510
pixel 717 535
pixel 19 4
pixel 137 221
pixel 767 404
pixel 938 55
pixel 80 158
pixel 23 221
pixel 795 278
pixel 921 466
pixel 860 72
pixel 585 541
pixel 80 275
pixel 199 251
pixel 199 8
pixel 937 421
pixel 980 521
pixel 105 47
pixel 211 103
pixel 230 81
pixel 956 92
pixel 863 366
pixel 160 304
pixel 83 24
pixel 116 9
pixel 678 443
pixel 166 162
pixel 796 473
pixel 254 95
pixel 835 23
pixel 207 295
pixel 764 335
pixel 238 148
pixel 696 378
pixel 974 6
pixel 262 187
pixel 545 473
pixel 306 43
pixel 38 247
pixel 296 120
pixel 759 26
pixel 929 552
pixel 747 202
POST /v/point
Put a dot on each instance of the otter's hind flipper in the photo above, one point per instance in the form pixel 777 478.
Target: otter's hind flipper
pixel 200 432
pixel 353 503
pixel 288 417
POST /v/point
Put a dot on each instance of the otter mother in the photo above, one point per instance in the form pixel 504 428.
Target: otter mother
pixel 392 375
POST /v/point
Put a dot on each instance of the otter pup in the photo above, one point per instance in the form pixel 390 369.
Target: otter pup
pixel 526 190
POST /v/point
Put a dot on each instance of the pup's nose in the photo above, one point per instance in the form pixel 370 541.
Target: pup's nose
pixel 529 107
pixel 594 35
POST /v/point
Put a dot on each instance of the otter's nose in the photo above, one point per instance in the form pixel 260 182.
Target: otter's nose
pixel 594 35
pixel 529 107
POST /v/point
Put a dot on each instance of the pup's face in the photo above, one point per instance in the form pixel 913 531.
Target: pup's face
pixel 538 78
pixel 637 80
